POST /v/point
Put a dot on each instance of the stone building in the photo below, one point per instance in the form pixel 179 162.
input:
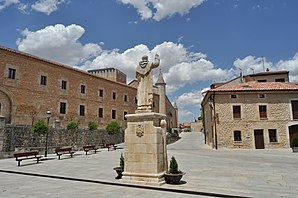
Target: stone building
pixel 260 111
pixel 30 86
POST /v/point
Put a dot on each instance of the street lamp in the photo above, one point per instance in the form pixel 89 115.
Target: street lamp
pixel 48 121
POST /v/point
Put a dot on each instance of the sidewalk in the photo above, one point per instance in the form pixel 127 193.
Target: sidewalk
pixel 209 173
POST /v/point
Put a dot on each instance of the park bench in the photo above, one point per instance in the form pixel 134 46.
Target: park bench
pixel 111 145
pixel 64 150
pixel 27 155
pixel 89 148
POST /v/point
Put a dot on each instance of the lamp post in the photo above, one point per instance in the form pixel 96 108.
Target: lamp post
pixel 48 121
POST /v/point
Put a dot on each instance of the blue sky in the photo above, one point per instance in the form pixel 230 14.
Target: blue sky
pixel 199 41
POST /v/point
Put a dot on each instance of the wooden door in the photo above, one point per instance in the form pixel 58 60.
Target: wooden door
pixel 259 139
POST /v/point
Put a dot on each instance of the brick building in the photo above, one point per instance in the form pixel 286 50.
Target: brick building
pixel 30 86
pixel 258 111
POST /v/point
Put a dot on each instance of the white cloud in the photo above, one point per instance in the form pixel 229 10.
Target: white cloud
pixel 160 9
pixel 251 64
pixel 290 65
pixel 58 43
pixel 6 3
pixel 47 6
pixel 190 99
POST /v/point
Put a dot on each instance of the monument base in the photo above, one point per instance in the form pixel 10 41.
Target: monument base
pixel 144 149
pixel 143 179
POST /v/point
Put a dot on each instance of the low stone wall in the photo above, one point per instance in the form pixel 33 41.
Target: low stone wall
pixel 20 138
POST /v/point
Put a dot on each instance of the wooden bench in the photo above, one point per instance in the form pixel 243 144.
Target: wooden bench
pixel 27 155
pixel 64 150
pixel 89 148
pixel 111 145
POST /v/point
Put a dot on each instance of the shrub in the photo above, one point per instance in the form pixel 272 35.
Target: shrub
pixel 295 142
pixel 72 125
pixel 40 127
pixel 92 126
pixel 173 169
pixel 121 161
pixel 113 128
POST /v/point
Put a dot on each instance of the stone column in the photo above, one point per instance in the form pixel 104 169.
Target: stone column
pixel 144 149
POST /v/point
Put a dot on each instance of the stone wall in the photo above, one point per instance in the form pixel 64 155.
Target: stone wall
pixel 20 138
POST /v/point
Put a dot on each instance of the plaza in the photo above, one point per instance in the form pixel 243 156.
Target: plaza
pixel 209 173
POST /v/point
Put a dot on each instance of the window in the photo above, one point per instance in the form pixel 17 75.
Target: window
pixel 113 114
pixel 114 96
pixel 125 112
pixel 43 80
pixel 100 112
pixel 261 95
pixel 233 96
pixel 63 84
pixel 237 112
pixel 62 107
pixel 83 89
pixel 263 111
pixel 280 80
pixel 262 80
pixel 11 73
pixel 237 136
pixel 100 93
pixel 294 104
pixel 125 97
pixel 272 135
pixel 82 110
pixel 136 100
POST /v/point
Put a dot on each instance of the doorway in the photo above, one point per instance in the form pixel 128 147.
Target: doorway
pixel 259 139
pixel 293 133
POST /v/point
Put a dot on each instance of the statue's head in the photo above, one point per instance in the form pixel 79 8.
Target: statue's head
pixel 145 58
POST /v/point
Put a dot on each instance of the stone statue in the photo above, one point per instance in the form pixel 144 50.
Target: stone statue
pixel 144 78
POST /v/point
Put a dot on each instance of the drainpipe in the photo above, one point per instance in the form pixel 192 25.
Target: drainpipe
pixel 215 117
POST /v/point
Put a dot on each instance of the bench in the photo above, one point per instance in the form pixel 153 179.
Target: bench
pixel 27 155
pixel 89 148
pixel 111 145
pixel 64 150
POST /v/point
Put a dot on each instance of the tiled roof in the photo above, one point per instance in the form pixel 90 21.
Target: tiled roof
pixel 259 86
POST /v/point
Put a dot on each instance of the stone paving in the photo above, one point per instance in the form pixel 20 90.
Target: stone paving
pixel 209 173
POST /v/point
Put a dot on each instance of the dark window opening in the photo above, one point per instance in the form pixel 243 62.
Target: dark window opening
pixel 294 104
pixel 125 98
pixel 113 114
pixel 272 135
pixel 233 96
pixel 237 112
pixel 100 93
pixel 262 80
pixel 63 84
pixel 280 80
pixel 83 89
pixel 263 111
pixel 100 112
pixel 237 136
pixel 114 96
pixel 11 73
pixel 62 107
pixel 82 110
pixel 124 115
pixel 43 80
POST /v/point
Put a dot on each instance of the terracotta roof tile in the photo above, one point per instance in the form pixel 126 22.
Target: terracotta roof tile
pixel 259 86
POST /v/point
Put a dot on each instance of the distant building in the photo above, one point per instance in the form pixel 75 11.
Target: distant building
pixel 30 86
pixel 253 112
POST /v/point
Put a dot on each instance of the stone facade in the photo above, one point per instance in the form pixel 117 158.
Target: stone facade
pixel 30 86
pixel 270 127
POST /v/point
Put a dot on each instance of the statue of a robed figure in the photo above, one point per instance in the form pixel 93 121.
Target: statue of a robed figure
pixel 144 78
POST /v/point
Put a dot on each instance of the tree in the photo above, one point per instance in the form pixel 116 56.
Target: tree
pixel 72 125
pixel 92 126
pixel 113 128
pixel 40 127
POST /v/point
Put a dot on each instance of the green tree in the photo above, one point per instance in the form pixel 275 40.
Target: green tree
pixel 173 169
pixel 40 127
pixel 113 128
pixel 72 125
pixel 92 126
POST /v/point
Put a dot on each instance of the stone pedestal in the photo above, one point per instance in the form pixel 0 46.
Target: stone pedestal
pixel 144 149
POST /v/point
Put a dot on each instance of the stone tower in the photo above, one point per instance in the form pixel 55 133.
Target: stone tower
pixel 161 85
